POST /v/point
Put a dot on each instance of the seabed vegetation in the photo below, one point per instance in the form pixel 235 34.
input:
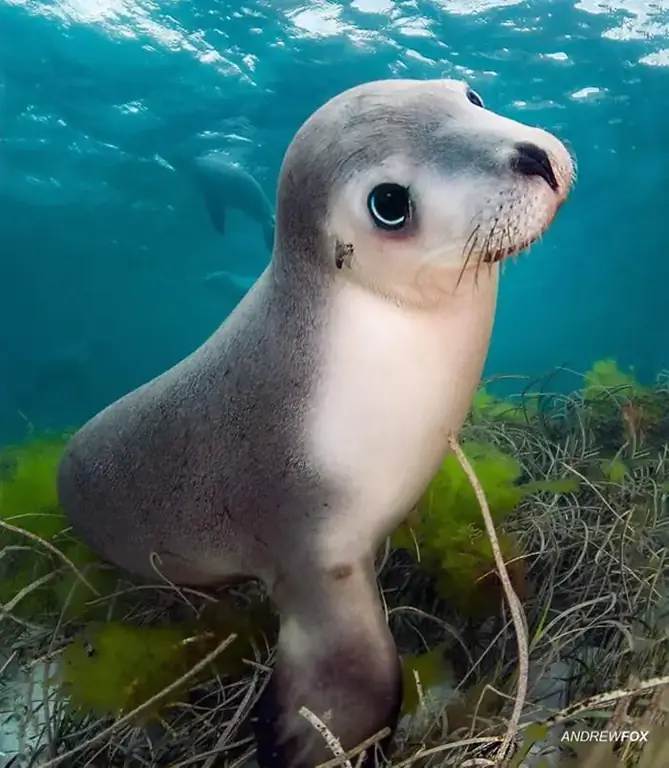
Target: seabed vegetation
pixel 527 592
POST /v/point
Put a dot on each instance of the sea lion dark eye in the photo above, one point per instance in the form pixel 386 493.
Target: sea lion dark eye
pixel 390 206
pixel 475 99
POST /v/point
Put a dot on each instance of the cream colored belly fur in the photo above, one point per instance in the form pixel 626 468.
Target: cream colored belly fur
pixel 397 383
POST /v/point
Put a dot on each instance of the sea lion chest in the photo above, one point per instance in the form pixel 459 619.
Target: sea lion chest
pixel 396 382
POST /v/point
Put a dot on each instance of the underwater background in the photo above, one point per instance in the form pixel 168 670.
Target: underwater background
pixel 110 269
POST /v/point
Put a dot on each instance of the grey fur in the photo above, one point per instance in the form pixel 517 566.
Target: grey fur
pixel 194 464
pixel 226 185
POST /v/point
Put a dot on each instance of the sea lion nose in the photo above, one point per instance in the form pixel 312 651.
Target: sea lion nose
pixel 531 160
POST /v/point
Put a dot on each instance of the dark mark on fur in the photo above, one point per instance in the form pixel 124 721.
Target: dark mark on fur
pixel 340 572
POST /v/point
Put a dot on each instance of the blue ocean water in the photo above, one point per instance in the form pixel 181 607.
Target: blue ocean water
pixel 110 270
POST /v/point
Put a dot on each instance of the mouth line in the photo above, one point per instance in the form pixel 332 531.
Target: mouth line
pixel 499 254
pixel 495 257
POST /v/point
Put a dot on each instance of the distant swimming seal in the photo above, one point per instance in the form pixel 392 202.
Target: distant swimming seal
pixel 303 431
pixel 225 185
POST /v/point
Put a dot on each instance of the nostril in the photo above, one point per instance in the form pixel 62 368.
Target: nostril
pixel 531 160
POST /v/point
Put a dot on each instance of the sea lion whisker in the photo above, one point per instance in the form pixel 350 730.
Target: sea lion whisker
pixel 468 249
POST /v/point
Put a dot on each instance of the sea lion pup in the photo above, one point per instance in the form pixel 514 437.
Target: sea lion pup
pixel 225 185
pixel 303 431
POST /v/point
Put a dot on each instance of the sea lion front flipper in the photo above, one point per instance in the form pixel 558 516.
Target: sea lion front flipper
pixel 216 213
pixel 336 658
